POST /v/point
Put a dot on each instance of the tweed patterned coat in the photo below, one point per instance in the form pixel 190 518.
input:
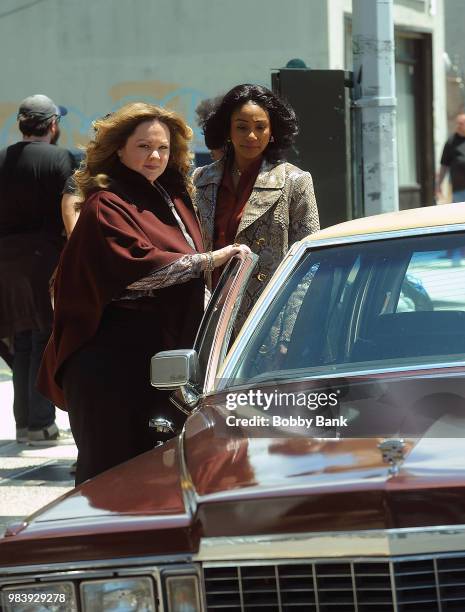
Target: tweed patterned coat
pixel 281 210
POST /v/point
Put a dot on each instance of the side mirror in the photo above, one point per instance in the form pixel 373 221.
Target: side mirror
pixel 174 369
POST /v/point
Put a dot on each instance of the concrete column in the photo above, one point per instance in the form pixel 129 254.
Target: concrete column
pixel 375 102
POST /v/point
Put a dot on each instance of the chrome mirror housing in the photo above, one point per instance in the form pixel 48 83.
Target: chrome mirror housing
pixel 174 369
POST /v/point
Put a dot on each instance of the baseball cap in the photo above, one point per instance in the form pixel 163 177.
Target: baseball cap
pixel 39 107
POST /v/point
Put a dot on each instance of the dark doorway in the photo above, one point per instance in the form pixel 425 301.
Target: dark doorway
pixel 414 91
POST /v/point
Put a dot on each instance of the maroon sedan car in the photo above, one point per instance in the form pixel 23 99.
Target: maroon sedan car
pixel 321 466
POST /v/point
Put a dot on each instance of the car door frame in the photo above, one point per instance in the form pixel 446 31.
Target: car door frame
pixel 228 293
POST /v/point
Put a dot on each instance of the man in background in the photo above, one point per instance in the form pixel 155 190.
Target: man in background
pixel 33 172
pixel 203 110
pixel 453 161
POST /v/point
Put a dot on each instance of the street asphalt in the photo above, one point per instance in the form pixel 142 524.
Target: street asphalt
pixel 30 477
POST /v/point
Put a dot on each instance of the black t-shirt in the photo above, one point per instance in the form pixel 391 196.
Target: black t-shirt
pixel 453 156
pixel 32 177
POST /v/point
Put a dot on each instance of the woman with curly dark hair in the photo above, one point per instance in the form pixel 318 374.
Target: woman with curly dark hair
pixel 129 284
pixel 252 195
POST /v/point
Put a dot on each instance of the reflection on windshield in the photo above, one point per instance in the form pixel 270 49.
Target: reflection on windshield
pixel 370 406
pixel 396 303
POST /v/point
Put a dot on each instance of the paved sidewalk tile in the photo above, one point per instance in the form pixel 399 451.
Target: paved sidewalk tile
pixel 30 477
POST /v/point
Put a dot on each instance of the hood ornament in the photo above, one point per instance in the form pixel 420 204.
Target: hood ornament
pixel 162 425
pixel 393 450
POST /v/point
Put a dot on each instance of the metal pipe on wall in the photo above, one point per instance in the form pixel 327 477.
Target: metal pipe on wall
pixel 375 102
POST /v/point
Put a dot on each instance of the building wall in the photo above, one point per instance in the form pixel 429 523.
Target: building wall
pixel 454 17
pixel 454 13
pixel 94 55
pixel 414 16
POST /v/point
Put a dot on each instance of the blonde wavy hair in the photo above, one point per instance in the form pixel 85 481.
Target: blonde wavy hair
pixel 111 134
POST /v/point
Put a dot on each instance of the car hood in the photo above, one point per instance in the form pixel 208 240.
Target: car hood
pixel 219 481
pixel 316 484
pixel 136 508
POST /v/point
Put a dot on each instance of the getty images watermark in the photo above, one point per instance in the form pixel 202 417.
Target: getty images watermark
pixel 264 401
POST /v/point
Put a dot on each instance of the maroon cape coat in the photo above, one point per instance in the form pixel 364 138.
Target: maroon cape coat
pixel 122 235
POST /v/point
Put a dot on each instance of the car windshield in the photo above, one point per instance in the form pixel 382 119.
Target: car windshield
pixel 361 307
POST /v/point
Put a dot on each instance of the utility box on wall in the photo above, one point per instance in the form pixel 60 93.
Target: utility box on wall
pixel 321 101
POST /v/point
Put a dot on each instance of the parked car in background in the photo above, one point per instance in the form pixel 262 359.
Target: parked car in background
pixel 321 466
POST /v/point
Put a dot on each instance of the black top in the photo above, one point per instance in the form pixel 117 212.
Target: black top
pixel 453 156
pixel 32 176
pixel 70 187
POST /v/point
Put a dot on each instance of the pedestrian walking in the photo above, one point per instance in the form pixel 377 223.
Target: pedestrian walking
pixel 33 172
pixel 129 284
pixel 252 195
pixel 453 162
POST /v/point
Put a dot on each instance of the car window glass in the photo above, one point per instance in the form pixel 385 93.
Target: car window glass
pixel 206 333
pixel 361 307
pixel 433 281
pixel 218 324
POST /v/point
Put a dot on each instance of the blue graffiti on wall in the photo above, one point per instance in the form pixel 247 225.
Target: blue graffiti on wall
pixel 76 126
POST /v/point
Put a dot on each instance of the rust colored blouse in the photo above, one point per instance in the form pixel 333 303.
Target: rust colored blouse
pixel 230 206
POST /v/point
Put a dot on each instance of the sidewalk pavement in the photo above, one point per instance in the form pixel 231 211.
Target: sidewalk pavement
pixel 30 477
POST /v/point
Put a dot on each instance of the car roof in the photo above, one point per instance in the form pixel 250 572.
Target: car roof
pixel 428 216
